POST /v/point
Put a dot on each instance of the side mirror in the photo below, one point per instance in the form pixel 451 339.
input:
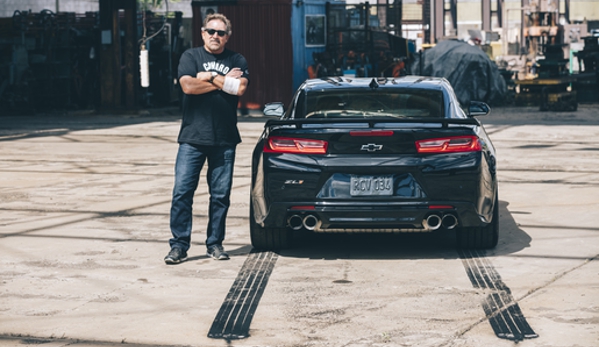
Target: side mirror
pixel 274 109
pixel 478 108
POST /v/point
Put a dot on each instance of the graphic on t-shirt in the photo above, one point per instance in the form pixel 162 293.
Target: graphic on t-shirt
pixel 215 66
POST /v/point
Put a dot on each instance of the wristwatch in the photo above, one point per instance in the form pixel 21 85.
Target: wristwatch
pixel 214 74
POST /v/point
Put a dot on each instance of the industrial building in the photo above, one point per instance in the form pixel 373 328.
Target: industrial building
pixel 66 54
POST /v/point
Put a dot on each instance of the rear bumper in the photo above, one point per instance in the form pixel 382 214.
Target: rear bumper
pixel 371 217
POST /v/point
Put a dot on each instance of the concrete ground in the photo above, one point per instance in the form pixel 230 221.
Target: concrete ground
pixel 84 213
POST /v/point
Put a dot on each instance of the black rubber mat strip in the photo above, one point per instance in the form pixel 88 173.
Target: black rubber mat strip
pixel 502 311
pixel 233 320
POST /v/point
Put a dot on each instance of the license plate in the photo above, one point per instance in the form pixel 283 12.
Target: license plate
pixel 371 185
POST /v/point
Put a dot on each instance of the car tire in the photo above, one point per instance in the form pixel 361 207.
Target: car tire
pixel 269 239
pixel 480 237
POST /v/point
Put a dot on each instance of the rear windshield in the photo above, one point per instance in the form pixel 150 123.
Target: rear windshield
pixel 400 103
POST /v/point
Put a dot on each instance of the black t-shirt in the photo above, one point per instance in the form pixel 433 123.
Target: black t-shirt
pixel 210 119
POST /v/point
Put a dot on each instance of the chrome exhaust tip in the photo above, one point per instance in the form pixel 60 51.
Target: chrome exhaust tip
pixel 295 222
pixel 310 221
pixel 432 222
pixel 449 221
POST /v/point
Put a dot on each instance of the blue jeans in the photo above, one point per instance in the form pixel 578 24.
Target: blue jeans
pixel 190 160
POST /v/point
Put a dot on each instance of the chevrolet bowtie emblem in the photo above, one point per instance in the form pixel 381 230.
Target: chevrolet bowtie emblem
pixel 371 147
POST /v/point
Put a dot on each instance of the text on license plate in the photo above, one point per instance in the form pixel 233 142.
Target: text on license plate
pixel 371 185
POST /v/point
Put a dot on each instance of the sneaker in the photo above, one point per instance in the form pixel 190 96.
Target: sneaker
pixel 217 252
pixel 175 256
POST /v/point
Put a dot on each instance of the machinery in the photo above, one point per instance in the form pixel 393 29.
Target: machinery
pixel 587 83
pixel 49 60
pixel 550 87
pixel 52 61
pixel 363 42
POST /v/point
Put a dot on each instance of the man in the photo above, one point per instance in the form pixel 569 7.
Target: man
pixel 212 79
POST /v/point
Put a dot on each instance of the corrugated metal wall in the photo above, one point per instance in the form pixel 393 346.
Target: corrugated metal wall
pixel 262 33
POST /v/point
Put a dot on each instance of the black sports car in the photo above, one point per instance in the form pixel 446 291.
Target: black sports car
pixel 374 155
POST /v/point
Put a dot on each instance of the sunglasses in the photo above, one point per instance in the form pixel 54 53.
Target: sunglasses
pixel 211 32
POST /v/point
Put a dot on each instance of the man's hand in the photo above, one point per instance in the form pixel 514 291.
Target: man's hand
pixel 239 85
pixel 204 76
pixel 235 73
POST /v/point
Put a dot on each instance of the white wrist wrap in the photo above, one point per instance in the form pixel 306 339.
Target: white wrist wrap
pixel 231 85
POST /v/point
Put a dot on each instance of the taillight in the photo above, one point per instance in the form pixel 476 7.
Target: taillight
pixel 449 145
pixel 278 144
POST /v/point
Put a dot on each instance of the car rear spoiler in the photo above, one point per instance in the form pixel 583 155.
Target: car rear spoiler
pixel 323 123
